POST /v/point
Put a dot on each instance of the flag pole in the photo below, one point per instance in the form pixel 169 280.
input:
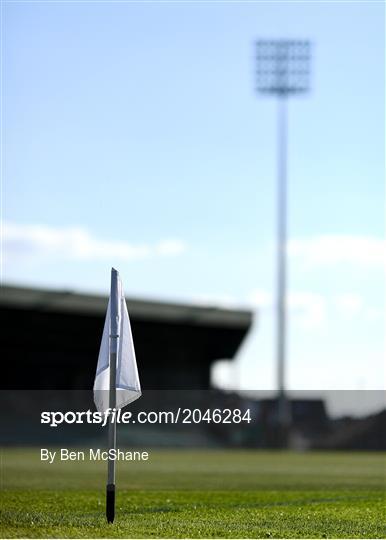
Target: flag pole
pixel 112 429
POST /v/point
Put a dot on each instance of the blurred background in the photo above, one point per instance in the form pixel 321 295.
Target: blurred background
pixel 133 136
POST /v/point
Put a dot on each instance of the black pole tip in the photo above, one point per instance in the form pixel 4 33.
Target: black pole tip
pixel 110 503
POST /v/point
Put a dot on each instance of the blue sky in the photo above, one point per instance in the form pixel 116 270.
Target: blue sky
pixel 133 137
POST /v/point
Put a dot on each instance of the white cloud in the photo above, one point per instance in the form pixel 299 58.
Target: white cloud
pixel 307 308
pixel 352 305
pixel 77 243
pixel 170 247
pixel 349 305
pixel 260 298
pixel 327 250
pixel 373 314
pixel 224 301
pixel 311 310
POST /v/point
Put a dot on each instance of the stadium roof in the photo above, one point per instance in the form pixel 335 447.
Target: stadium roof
pixel 175 343
pixel 66 301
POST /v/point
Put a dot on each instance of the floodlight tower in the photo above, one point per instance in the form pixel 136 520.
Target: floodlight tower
pixel 283 68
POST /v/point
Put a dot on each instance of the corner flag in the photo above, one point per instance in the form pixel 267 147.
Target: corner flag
pixel 116 338
pixel 116 380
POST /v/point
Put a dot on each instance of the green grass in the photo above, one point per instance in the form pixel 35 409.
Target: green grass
pixel 229 494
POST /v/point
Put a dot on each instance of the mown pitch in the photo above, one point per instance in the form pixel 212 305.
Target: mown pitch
pixel 247 494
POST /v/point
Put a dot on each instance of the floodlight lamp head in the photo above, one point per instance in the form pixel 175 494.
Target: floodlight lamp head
pixel 283 66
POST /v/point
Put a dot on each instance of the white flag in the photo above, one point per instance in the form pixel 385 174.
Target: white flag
pixel 128 387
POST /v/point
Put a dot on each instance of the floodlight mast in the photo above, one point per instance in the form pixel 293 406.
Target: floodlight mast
pixel 282 71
